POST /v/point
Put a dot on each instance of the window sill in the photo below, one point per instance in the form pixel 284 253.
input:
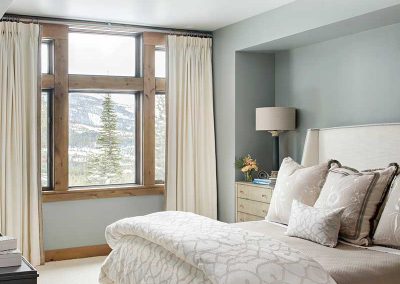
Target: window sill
pixel 97 193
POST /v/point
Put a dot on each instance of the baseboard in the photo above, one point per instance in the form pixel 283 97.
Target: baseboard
pixel 77 252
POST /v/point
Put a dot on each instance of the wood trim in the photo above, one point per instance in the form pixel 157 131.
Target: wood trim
pixel 112 83
pixel 60 120
pixel 96 193
pixel 149 93
pixel 160 85
pixel 77 252
pixel 156 39
pixel 47 81
pixel 53 31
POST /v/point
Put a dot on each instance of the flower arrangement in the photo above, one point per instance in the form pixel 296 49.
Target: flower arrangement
pixel 247 166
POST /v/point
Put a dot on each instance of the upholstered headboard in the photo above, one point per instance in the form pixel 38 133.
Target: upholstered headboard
pixel 360 147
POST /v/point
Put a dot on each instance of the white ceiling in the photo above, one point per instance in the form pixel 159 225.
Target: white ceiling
pixel 206 15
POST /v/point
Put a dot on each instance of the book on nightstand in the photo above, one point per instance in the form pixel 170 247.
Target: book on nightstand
pixel 263 181
pixel 10 258
pixel 7 243
pixel 9 255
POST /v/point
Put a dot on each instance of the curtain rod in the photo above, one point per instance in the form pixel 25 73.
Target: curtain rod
pixel 104 26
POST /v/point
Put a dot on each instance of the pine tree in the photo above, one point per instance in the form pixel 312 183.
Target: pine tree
pixel 105 167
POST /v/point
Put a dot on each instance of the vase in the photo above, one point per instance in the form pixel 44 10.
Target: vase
pixel 248 177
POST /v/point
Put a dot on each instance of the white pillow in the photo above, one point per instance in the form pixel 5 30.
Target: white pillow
pixel 318 225
pixel 295 182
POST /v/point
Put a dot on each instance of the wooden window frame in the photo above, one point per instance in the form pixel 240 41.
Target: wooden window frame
pixel 61 83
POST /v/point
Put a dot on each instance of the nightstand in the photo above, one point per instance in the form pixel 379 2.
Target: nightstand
pixel 23 274
pixel 252 201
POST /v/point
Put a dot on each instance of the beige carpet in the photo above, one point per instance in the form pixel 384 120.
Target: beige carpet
pixel 75 271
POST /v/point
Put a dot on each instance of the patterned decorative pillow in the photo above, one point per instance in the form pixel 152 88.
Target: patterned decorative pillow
pixel 317 225
pixel 388 231
pixel 295 182
pixel 361 193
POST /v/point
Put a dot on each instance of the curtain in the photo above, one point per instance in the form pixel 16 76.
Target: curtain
pixel 19 170
pixel 191 165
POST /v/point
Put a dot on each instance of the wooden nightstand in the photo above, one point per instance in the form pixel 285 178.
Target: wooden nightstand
pixel 252 201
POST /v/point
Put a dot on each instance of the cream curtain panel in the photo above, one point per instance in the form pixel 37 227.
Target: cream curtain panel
pixel 19 171
pixel 191 165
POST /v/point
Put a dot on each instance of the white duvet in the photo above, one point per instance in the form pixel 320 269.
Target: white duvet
pixel 179 247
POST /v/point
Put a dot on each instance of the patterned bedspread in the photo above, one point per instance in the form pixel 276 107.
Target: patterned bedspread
pixel 180 247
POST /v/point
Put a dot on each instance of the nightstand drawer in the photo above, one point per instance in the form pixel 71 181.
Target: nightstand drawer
pixel 252 207
pixel 244 217
pixel 254 193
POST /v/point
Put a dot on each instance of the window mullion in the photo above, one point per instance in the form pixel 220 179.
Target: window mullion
pixel 148 112
pixel 60 104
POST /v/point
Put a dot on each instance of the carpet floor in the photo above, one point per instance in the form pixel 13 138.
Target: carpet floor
pixel 74 271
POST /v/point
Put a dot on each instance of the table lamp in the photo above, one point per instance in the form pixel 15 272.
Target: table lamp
pixel 275 120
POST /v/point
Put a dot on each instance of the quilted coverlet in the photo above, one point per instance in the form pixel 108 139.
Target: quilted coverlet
pixel 180 247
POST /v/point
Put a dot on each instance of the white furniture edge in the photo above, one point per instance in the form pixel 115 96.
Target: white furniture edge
pixel 359 146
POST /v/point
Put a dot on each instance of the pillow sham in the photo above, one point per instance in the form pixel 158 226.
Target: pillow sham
pixel 361 194
pixel 388 230
pixel 314 224
pixel 295 182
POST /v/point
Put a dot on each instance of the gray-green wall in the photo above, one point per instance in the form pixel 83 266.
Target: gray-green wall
pixel 83 222
pixel 287 27
pixel 254 87
pixel 344 81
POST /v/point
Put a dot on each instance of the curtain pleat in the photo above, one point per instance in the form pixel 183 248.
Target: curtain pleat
pixel 19 172
pixel 191 164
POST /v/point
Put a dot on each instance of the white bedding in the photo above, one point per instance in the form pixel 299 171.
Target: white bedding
pixel 347 264
pixel 178 247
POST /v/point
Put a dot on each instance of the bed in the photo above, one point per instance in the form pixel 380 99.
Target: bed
pixel 172 247
pixel 347 264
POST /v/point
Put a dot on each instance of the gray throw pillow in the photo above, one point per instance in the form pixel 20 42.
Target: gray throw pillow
pixel 361 193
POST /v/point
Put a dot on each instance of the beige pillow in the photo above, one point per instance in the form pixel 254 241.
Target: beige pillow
pixel 314 224
pixel 295 182
pixel 361 194
pixel 388 231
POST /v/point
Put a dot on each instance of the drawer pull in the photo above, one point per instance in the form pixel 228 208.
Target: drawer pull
pixel 241 191
pixel 241 206
pixel 264 195
pixel 264 211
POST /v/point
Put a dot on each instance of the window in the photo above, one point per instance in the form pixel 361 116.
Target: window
pixel 45 139
pixel 161 133
pixel 101 54
pixel 160 119
pixel 101 139
pixel 96 136
pixel 45 57
pixel 160 66
pixel 45 120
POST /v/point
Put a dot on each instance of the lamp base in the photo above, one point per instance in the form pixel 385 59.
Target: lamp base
pixel 275 153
